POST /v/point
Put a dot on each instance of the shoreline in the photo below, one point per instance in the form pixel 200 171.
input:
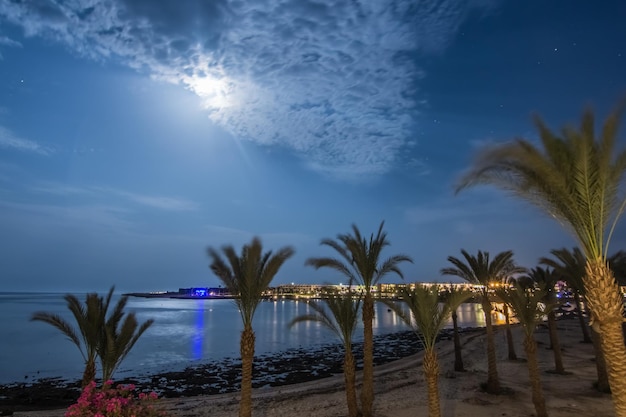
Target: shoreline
pixel 280 369
pixel 401 391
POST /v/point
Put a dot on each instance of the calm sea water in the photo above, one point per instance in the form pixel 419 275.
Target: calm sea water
pixel 185 332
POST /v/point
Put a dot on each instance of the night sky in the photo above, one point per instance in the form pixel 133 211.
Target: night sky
pixel 136 133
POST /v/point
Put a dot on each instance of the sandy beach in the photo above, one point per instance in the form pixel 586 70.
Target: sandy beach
pixel 400 390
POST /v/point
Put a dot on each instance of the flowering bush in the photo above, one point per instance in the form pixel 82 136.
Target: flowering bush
pixel 114 402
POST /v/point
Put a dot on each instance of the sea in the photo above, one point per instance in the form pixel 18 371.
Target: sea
pixel 186 332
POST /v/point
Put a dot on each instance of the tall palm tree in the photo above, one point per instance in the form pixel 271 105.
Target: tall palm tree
pixel 570 265
pixel 342 320
pixel 507 325
pixel 547 279
pixel 246 276
pixel 89 319
pixel 479 270
pixel 575 178
pixel 452 294
pixel 427 318
pixel 360 262
pixel 116 342
pixel 527 302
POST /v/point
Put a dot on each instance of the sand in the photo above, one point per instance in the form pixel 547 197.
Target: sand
pixel 400 389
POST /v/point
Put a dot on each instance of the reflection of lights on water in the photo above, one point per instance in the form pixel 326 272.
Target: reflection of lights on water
pixel 198 337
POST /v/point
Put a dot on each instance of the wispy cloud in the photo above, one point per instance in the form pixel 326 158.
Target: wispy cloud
pixel 336 82
pixel 102 217
pixel 5 41
pixel 160 202
pixel 157 202
pixel 11 141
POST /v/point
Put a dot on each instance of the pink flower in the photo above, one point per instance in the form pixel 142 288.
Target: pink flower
pixel 114 402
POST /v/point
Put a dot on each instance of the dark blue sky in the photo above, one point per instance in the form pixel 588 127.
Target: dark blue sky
pixel 135 133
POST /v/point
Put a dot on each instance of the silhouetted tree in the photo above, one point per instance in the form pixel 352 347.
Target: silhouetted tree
pixel 360 262
pixel 246 276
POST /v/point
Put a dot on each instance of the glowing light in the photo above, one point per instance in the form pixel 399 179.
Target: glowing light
pixel 216 93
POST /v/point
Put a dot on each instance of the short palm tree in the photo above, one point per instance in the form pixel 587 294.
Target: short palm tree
pixel 341 317
pixel 89 319
pixel 570 266
pixel 99 335
pixel 427 317
pixel 247 276
pixel 117 341
pixel 479 270
pixel 527 302
pixel 547 279
pixel 360 262
pixel 575 177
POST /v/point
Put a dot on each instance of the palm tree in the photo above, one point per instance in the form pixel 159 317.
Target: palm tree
pixel 507 325
pixel 575 178
pixel 547 279
pixel 246 276
pixel 342 320
pixel 479 270
pixel 99 336
pixel 116 342
pixel 528 304
pixel 89 319
pixel 360 262
pixel 570 265
pixel 454 293
pixel 427 318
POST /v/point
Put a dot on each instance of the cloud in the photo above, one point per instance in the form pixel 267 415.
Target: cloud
pixel 5 41
pixel 158 202
pixel 9 140
pixel 98 217
pixel 336 82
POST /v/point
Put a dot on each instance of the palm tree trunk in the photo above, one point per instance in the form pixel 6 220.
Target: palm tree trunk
pixel 509 334
pixel 350 379
pixel 431 372
pixel 493 382
pixel 581 319
pixel 247 357
pixel 90 372
pixel 458 357
pixel 367 391
pixel 602 384
pixel 530 346
pixel 556 345
pixel 607 305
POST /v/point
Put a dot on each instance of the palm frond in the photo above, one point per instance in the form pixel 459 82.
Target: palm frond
pixel 574 177
pixel 249 274
pixel 527 303
pixel 361 257
pixel 339 314
pixel 480 270
pixel 62 325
